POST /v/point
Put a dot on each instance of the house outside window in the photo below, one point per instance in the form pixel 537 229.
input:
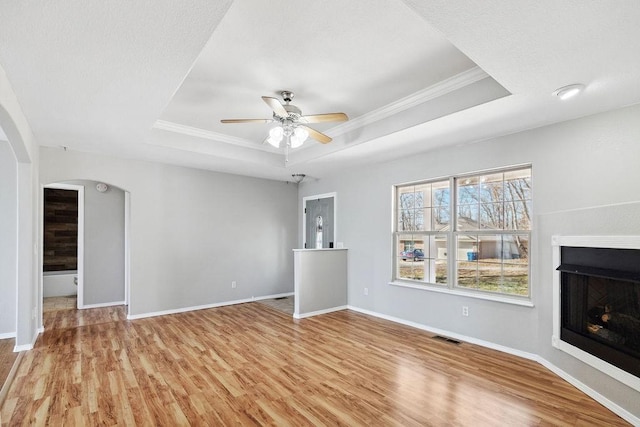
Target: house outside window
pixel 468 232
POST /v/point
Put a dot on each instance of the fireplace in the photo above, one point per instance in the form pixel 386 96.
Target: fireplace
pixel 597 303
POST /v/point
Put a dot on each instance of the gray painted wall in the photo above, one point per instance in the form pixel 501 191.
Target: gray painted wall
pixel 16 128
pixel 103 244
pixel 194 231
pixel 8 239
pixel 590 164
pixel 320 279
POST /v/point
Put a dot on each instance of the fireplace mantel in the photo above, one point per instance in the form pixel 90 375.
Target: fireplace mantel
pixel 613 242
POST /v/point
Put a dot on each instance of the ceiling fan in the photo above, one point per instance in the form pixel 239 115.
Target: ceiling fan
pixel 291 123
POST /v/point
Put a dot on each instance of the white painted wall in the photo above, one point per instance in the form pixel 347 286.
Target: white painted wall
pixel 8 240
pixel 59 283
pixel 590 164
pixel 194 231
pixel 103 244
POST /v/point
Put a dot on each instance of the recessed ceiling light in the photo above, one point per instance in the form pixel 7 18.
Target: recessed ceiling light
pixel 570 91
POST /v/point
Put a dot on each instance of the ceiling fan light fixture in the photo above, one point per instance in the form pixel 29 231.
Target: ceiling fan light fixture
pixel 298 177
pixel 291 124
pixel 299 136
pixel 275 136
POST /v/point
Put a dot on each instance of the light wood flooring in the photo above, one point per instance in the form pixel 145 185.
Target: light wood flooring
pixel 249 364
pixel 7 359
pixel 59 303
pixel 285 304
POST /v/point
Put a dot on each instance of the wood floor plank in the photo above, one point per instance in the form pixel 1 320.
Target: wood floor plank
pixel 249 364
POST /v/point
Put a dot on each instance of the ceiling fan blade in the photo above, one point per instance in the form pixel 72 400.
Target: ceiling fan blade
pixel 322 118
pixel 318 136
pixel 276 106
pixel 246 121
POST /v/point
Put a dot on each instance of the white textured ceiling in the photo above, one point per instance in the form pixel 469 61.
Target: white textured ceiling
pixel 151 80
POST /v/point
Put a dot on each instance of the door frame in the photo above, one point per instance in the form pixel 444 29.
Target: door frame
pixel 80 241
pixel 333 196
pixel 127 247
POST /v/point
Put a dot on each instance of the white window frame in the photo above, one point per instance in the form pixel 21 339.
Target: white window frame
pixel 451 286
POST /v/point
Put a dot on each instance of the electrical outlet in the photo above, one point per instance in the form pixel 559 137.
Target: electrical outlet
pixel 366 291
pixel 233 284
pixel 465 310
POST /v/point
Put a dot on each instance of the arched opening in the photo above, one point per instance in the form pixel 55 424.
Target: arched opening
pixel 8 256
pixel 85 245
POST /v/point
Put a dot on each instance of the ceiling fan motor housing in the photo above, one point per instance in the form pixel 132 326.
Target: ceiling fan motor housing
pixel 287 95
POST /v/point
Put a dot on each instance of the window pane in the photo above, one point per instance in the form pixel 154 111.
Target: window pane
pixel 406 220
pixel 441 194
pixel 438 258
pixel 491 216
pixel 422 195
pixel 419 220
pixel 468 217
pixel 517 185
pixel 467 190
pixel 515 248
pixel 411 220
pixel 405 209
pixel 489 274
pixel 406 199
pixel 435 259
pixel 516 278
pixel 423 207
pixel 491 188
pixel 410 251
pixel 422 258
pixel 494 263
pixel 407 242
pixel 441 218
pixel 518 215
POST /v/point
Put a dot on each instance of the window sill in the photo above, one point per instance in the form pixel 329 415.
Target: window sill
pixel 470 294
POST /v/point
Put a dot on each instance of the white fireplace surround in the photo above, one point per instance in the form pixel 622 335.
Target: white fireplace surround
pixel 613 242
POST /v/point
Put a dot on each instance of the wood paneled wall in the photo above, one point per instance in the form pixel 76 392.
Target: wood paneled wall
pixel 60 229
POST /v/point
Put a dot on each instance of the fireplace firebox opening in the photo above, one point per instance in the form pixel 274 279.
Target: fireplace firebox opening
pixel 599 305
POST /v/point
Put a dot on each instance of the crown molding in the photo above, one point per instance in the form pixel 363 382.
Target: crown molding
pixel 437 90
pixel 207 134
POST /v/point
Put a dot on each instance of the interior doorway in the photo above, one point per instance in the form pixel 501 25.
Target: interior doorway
pixel 63 242
pixel 102 276
pixel 319 225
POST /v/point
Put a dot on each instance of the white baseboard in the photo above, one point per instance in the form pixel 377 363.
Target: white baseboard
pixel 205 306
pixel 449 334
pixel 315 313
pixel 613 407
pixel 7 335
pixel 26 347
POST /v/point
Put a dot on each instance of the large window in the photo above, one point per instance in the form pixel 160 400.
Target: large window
pixel 469 232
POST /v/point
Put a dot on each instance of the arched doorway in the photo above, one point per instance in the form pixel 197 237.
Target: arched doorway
pixel 96 215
